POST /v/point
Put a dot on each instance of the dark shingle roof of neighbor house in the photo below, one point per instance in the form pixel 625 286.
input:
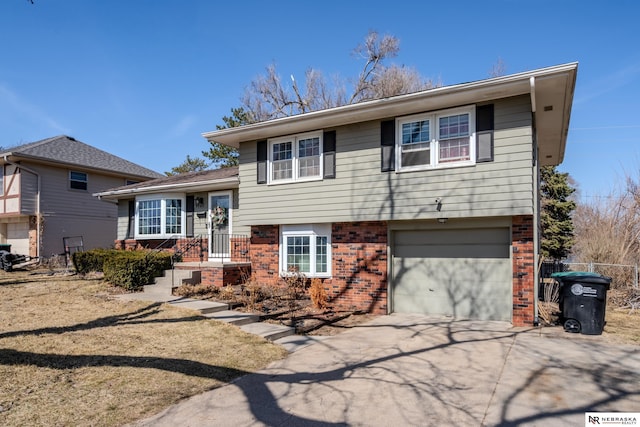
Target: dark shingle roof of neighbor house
pixel 191 181
pixel 66 150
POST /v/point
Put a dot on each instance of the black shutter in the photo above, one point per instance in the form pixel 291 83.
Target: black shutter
pixel 388 145
pixel 484 133
pixel 262 162
pixel 190 209
pixel 131 229
pixel 329 153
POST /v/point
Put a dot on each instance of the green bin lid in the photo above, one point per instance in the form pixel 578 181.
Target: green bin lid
pixel 586 276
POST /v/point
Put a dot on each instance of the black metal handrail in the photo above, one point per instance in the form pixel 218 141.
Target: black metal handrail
pixel 230 246
pixel 186 246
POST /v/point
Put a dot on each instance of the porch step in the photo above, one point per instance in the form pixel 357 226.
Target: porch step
pixel 269 331
pixel 204 307
pixel 233 317
pixel 171 279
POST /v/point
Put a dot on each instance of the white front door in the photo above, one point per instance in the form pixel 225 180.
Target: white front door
pixel 219 225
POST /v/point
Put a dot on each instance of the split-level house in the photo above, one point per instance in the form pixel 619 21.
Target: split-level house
pixel 426 202
pixel 46 196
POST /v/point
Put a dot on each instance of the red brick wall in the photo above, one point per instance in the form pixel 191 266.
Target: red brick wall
pixel 196 253
pixel 523 270
pixel 223 275
pixel 359 266
pixel 264 253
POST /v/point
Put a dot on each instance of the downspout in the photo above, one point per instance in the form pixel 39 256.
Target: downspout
pixel 38 219
pixel 536 201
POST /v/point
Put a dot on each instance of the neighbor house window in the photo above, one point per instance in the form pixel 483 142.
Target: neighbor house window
pixel 295 158
pixel 438 139
pixel 306 249
pixel 77 180
pixel 160 217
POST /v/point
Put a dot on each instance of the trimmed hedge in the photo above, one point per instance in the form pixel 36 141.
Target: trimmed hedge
pixel 128 269
pixel 93 260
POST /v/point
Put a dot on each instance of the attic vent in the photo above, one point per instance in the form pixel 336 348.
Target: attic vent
pixel 71 138
pixel 548 108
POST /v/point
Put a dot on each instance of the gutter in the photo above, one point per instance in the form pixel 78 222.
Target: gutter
pixel 38 216
pixel 458 94
pixel 536 203
pixel 205 185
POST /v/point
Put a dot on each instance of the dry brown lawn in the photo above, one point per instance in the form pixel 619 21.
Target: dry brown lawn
pixel 72 354
pixel 622 325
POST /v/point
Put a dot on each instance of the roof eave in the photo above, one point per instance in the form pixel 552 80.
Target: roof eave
pixel 461 94
pixel 192 187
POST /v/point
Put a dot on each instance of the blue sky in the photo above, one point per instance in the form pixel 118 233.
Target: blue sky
pixel 143 79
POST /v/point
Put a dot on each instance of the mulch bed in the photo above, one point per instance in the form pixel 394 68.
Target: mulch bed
pixel 282 309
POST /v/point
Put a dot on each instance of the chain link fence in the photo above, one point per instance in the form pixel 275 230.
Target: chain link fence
pixel 624 291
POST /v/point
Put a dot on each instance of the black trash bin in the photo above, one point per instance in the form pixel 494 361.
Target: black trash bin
pixel 583 300
pixel 5 247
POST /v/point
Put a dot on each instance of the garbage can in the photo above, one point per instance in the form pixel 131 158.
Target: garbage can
pixel 5 247
pixel 582 301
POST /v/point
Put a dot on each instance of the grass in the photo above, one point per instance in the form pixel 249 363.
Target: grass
pixel 622 325
pixel 71 354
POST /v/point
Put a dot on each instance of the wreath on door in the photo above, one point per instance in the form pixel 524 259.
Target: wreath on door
pixel 218 217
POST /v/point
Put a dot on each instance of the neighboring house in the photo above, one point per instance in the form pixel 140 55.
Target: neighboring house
pixel 46 196
pixel 426 202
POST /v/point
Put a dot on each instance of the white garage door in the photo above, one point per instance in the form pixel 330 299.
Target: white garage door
pixel 18 237
pixel 464 273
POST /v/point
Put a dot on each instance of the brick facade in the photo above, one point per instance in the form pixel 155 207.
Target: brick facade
pixel 523 271
pixel 359 263
pixel 226 274
pixel 264 253
pixel 359 266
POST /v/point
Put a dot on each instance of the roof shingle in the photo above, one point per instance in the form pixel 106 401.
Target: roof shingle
pixel 67 150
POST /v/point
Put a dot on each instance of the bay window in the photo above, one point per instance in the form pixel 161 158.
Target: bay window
pixel 160 216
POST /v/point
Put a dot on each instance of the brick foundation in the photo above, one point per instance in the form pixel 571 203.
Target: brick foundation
pixel 523 271
pixel 227 274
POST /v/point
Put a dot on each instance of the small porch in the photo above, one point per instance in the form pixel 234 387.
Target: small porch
pixel 219 259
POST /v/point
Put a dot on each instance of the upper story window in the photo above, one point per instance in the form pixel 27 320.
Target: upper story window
pixel 78 180
pixel 295 158
pixel 160 216
pixel 438 139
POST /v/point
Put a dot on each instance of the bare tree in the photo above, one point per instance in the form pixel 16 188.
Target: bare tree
pixel 498 69
pixel 608 232
pixel 270 96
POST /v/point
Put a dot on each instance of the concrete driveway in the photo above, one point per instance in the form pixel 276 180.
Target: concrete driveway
pixel 426 371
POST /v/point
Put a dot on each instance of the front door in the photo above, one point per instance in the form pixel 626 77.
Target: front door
pixel 219 225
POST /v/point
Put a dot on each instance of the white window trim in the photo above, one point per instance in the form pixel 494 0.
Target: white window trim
pixel 434 147
pixel 313 230
pixel 163 216
pixel 294 158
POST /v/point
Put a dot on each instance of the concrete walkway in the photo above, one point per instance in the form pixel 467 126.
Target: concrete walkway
pixel 425 371
pixel 248 322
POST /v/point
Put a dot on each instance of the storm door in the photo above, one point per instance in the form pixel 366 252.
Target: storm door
pixel 219 225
